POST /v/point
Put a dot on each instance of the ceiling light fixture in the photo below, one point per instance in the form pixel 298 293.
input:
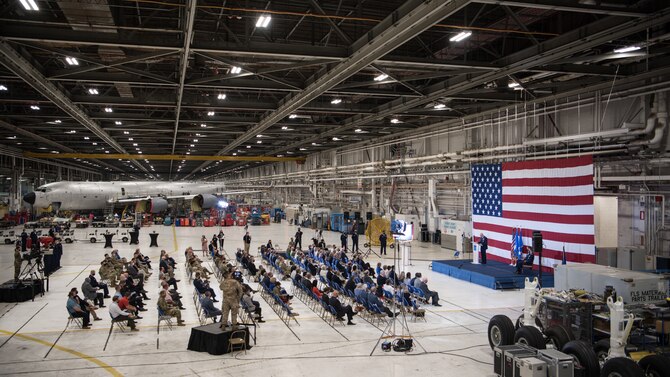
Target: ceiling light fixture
pixel 439 106
pixel 118 123
pixel 234 153
pixel 303 149
pixel 381 77
pixel 203 125
pixel 195 140
pixel 134 144
pixel 35 107
pixel 210 113
pixel 460 36
pixel 71 61
pixel 221 96
pixel 2 88
pixel 126 132
pixel 284 128
pixel 93 91
pixel 29 4
pixel 395 120
pixel 235 70
pixel 57 121
pixel 513 85
pixel 259 135
pixel 248 146
pixel 86 138
pixel 94 143
pixel 336 139
pixel 358 130
pixel 108 109
pixel 293 116
pixel 336 101
pixel 263 21
pixel 624 50
pixel 259 142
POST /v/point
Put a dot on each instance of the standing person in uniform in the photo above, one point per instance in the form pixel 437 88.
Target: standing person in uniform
pixel 483 246
pixel 382 243
pixel 18 260
pixel 58 252
pixel 354 241
pixel 343 238
pixel 24 240
pixel 205 244
pixel 222 237
pixel 34 240
pixel 232 293
pixel 247 242
pixel 298 239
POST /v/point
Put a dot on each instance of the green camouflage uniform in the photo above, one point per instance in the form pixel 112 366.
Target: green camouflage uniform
pixel 232 293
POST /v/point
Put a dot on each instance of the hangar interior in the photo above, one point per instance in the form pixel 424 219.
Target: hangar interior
pixel 365 106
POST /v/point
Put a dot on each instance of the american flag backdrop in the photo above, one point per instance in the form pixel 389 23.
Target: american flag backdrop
pixel 552 196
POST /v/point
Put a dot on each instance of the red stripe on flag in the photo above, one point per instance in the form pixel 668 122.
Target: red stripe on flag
pixel 548 182
pixel 586 239
pixel 549 164
pixel 556 200
pixel 549 217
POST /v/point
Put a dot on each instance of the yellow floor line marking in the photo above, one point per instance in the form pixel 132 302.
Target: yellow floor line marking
pixel 174 234
pixel 108 368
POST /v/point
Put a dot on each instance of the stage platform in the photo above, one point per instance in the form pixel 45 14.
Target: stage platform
pixel 494 275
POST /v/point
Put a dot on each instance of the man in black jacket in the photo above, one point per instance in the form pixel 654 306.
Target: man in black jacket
pixel 382 243
pixel 247 242
pixel 96 284
pixel 298 239
pixel 340 309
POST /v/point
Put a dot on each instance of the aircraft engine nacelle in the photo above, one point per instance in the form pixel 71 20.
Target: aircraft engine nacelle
pixel 203 201
pixel 153 205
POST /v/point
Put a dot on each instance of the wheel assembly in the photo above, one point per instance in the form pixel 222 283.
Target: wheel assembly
pixel 558 335
pixel 501 331
pixel 584 356
pixel 622 367
pixel 530 336
pixel 655 366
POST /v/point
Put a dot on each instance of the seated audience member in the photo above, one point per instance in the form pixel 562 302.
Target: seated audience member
pixel 94 283
pixel 373 299
pixel 360 291
pixel 168 309
pixel 91 293
pixel 172 296
pixel 423 285
pixel 118 314
pixel 75 310
pixel 340 309
pixel 315 289
pixel 85 305
pixel 251 305
pixel 203 286
pixel 208 306
pixel 124 303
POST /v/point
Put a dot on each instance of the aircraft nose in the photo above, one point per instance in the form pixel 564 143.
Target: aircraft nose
pixel 30 198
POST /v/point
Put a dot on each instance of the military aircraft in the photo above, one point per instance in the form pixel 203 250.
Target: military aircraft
pixel 148 196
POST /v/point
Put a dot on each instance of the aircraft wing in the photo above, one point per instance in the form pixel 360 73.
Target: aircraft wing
pixel 184 196
pixel 128 200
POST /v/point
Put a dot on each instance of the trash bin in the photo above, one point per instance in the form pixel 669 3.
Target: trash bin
pixel 437 237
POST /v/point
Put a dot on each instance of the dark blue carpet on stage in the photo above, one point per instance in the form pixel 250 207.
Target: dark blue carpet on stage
pixel 494 275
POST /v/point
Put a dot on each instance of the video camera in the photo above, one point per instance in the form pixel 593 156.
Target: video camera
pixel 33 254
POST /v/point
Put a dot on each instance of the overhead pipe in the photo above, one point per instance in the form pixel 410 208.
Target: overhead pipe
pixel 661 117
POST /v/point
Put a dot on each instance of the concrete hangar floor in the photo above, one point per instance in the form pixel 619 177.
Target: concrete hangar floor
pixel 454 334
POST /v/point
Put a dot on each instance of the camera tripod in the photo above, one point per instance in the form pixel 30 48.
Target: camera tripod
pixel 397 328
pixel 368 250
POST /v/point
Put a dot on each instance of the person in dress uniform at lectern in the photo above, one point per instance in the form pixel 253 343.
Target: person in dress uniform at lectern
pixel 483 246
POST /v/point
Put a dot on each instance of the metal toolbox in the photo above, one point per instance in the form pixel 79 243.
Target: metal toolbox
pixel 558 363
pixel 499 358
pixel 511 356
pixel 530 367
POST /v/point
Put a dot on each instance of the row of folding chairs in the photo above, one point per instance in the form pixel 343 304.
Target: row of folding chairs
pixel 282 310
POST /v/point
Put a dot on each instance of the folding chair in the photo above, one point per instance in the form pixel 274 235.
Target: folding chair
pixel 76 320
pixel 238 338
pixel 162 317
